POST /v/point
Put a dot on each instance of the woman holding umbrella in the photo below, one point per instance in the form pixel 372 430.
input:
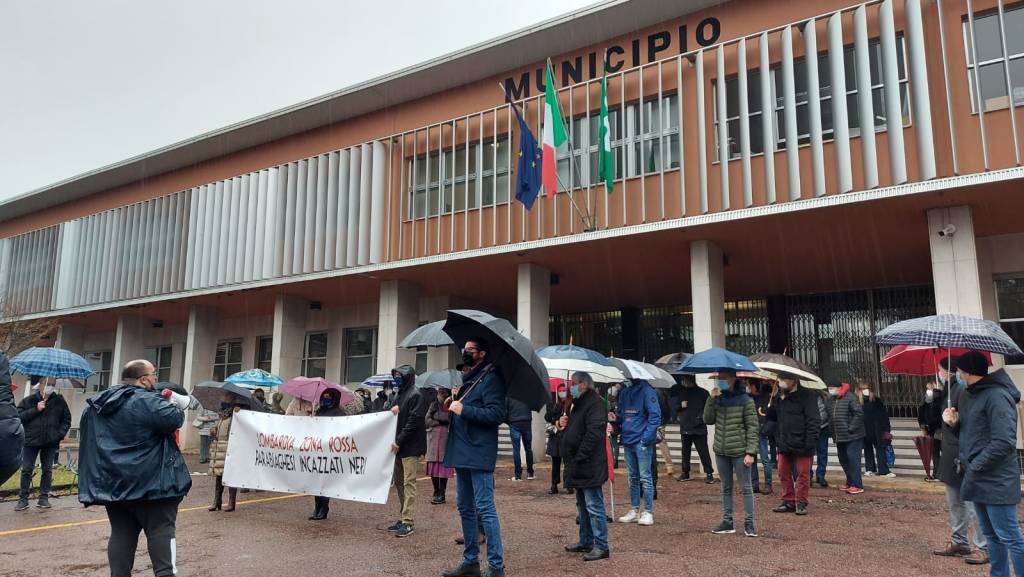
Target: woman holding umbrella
pixel 437 433
pixel 229 405
pixel 560 406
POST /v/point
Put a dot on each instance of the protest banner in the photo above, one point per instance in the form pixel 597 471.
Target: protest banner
pixel 339 457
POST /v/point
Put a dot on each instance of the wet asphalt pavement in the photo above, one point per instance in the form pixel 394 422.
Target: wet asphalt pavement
pixel 885 532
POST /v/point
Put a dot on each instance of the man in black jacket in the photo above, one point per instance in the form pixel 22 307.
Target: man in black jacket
pixel 129 462
pixel 691 424
pixel 410 444
pixel 47 419
pixel 12 434
pixel 586 465
pixel 798 422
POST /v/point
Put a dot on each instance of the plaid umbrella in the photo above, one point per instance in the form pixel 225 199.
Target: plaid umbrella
pixel 949 331
pixel 52 362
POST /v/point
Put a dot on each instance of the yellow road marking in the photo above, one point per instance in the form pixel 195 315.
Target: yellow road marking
pixel 183 510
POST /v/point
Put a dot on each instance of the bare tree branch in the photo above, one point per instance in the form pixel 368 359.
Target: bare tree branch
pixel 18 334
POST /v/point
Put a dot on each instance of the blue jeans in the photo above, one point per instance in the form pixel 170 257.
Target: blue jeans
pixel 849 457
pixel 475 496
pixel 822 457
pixel 593 519
pixel 524 436
pixel 638 463
pixel 729 467
pixel 999 524
pixel 764 453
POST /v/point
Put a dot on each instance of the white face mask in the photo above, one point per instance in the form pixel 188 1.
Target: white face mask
pixel 48 389
pixel 561 394
pixel 833 392
pixel 867 393
pixel 783 386
pixel 928 395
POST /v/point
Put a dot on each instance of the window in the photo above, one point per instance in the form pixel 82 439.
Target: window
pixel 465 181
pixel 1010 301
pixel 228 359
pixel 638 145
pixel 264 350
pixel 754 110
pixel 360 354
pixel 161 359
pixel 992 62
pixel 101 363
pixel 422 355
pixel 314 355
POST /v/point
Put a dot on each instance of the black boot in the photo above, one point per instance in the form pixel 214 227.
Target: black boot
pixel 218 494
pixel 553 490
pixel 323 506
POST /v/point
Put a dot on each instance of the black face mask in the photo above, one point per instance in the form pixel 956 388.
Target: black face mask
pixel 467 358
pixel 225 406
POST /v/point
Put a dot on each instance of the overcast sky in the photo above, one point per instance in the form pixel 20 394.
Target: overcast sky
pixel 85 84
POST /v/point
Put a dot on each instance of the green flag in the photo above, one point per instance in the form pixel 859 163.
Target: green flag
pixel 606 160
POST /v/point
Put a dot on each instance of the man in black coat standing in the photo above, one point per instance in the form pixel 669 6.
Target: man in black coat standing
pixel 586 465
pixel 47 419
pixel 410 444
pixel 695 433
pixel 797 424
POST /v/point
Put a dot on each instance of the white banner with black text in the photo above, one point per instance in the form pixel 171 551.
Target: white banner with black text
pixel 340 457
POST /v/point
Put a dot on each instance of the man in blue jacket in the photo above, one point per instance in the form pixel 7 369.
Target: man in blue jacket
pixel 129 462
pixel 639 416
pixel 472 449
pixel 987 424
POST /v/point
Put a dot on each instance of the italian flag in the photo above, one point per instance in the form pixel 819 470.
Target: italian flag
pixel 553 135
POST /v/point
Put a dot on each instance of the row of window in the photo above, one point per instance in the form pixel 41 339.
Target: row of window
pixel 992 61
pixel 1010 302
pixel 360 358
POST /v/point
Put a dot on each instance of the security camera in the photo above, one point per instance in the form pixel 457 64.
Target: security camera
pixel 948 230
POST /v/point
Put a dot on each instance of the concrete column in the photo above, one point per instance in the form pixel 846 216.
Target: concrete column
pixel 533 312
pixel 399 315
pixel 708 293
pixel 70 337
pixel 955 262
pixel 200 349
pixel 289 335
pixel 128 339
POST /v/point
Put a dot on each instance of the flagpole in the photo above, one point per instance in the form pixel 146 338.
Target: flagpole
pixel 583 218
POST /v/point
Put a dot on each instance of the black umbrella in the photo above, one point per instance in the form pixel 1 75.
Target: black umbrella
pixel 210 393
pixel 428 335
pixel 511 352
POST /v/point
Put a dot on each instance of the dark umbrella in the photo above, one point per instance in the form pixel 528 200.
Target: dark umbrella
pixel 673 363
pixel 442 379
pixel 924 450
pixel 209 395
pixel 949 332
pixel 511 352
pixel 429 335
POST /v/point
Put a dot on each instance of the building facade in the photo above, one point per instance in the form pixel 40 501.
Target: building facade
pixel 752 206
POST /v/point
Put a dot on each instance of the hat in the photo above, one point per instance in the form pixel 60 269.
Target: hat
pixel 973 363
pixel 948 363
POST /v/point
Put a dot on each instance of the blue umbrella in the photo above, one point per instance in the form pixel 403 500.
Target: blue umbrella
pixel 717 359
pixel 949 332
pixel 255 378
pixel 381 380
pixel 52 362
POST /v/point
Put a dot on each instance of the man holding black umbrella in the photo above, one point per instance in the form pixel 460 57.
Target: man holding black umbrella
pixel 472 450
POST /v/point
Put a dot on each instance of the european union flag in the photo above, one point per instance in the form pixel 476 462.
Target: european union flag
pixel 528 170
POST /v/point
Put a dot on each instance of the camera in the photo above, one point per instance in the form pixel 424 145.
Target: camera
pixel 948 230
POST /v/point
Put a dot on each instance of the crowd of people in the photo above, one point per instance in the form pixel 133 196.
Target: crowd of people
pixel 968 413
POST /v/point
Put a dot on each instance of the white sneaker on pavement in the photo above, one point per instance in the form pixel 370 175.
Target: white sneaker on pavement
pixel 890 475
pixel 646 519
pixel 869 473
pixel 630 517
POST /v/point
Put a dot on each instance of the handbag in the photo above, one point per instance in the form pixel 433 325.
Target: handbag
pixel 890 455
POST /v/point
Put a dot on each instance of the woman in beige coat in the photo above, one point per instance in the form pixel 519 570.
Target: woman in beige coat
pixel 218 451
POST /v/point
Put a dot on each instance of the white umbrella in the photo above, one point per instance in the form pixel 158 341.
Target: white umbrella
pixel 658 377
pixel 600 373
pixel 807 380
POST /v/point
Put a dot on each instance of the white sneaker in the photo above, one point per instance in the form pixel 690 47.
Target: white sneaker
pixel 890 475
pixel 869 473
pixel 630 517
pixel 646 519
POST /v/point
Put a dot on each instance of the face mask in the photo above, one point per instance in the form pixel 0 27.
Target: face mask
pixel 783 386
pixel 833 392
pixel 613 391
pixel 327 402
pixel 960 380
pixel 928 396
pixel 397 380
pixel 723 384
pixel 561 394
pixel 867 393
pixel 48 389
pixel 575 389
pixel 467 358
pixel 225 406
pixel 942 378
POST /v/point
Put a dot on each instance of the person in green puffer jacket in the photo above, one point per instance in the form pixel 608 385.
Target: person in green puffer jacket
pixel 734 414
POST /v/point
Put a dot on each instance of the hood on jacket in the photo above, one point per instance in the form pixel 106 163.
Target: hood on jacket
pixel 998 379
pixel 407 373
pixel 335 394
pixel 111 400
